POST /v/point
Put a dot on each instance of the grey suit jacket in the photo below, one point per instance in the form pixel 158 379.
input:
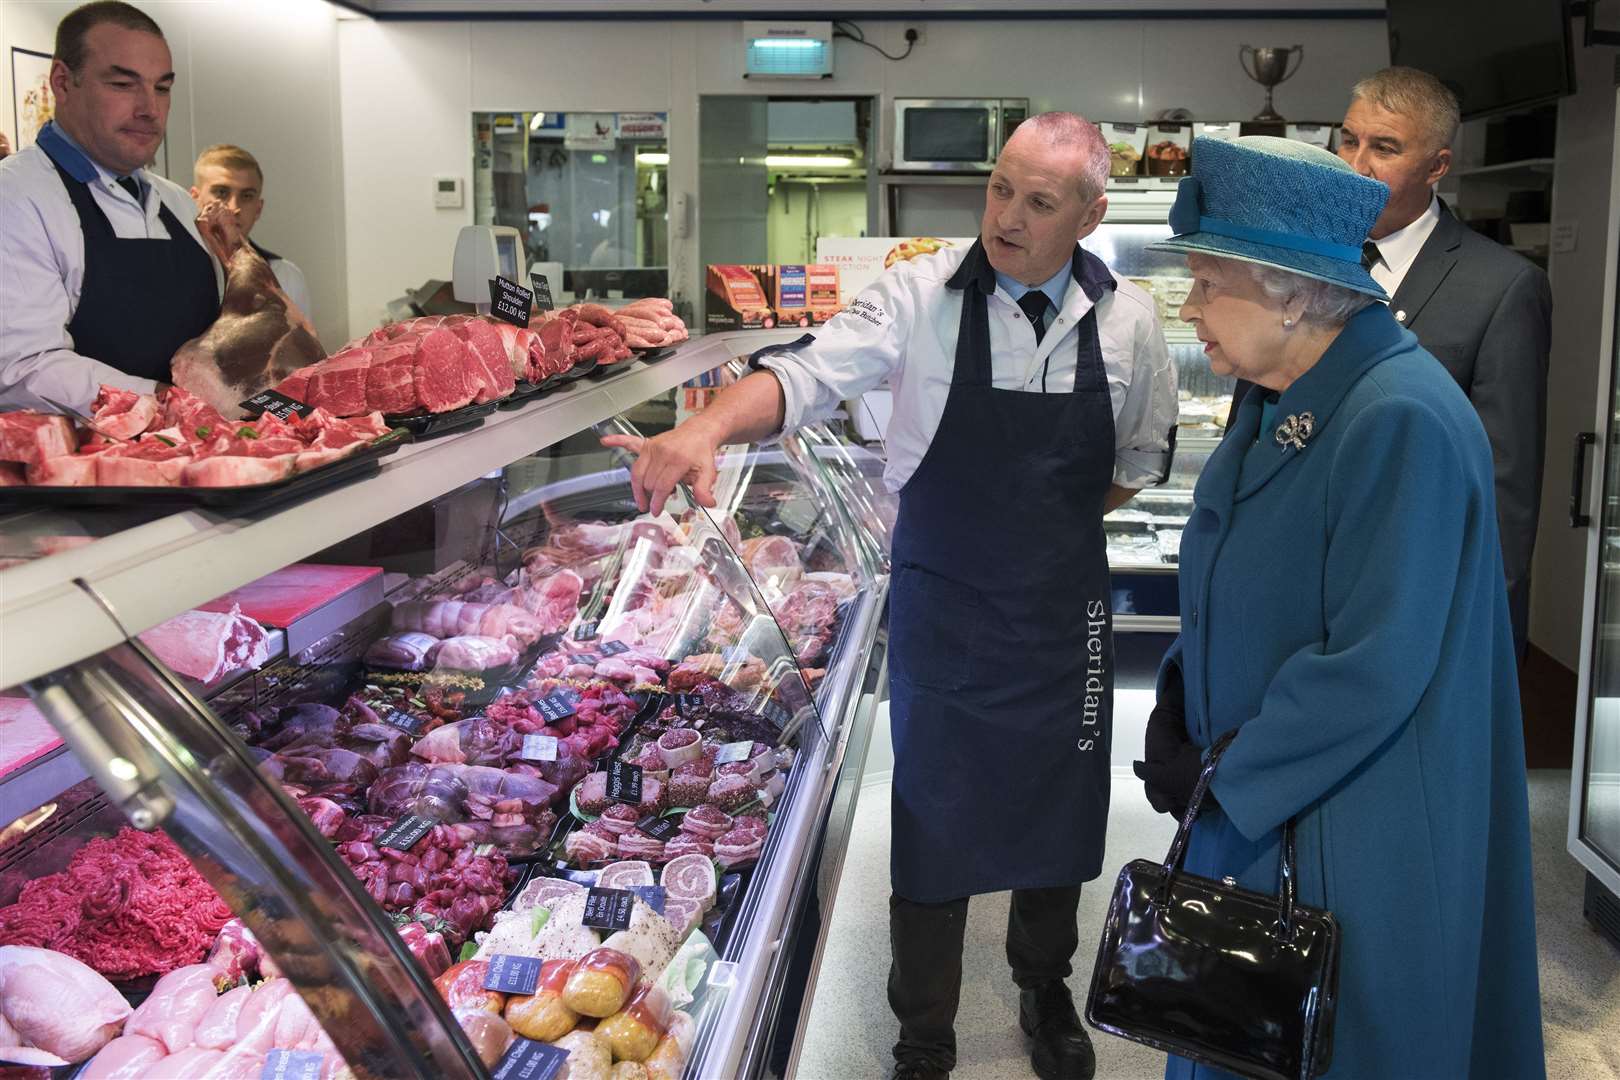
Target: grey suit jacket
pixel 1486 313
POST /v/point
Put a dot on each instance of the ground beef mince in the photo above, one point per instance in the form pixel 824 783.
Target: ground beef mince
pixel 128 905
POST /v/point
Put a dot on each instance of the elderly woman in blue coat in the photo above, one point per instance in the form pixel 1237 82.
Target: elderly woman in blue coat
pixel 1342 608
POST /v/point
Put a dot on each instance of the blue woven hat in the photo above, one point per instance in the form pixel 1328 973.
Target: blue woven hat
pixel 1277 202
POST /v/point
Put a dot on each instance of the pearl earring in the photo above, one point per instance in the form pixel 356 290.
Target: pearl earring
pixel 1288 322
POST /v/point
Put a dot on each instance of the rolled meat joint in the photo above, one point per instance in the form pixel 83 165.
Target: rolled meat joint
pixel 601 983
pixel 471 652
pixel 489 1034
pixel 589 1056
pixel 544 1015
pixel 56 1004
pixel 462 987
pixel 633 1032
pixel 401 652
pixel 454 618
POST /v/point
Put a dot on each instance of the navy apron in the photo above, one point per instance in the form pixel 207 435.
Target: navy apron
pixel 1000 629
pixel 141 299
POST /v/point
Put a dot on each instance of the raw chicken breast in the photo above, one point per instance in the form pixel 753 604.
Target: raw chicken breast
pixel 124 1058
pixel 192 1064
pixel 217 1028
pixel 178 1002
pixel 58 1004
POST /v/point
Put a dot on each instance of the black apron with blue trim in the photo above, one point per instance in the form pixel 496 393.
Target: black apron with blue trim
pixel 141 299
pixel 1001 664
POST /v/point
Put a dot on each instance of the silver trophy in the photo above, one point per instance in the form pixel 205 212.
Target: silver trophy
pixel 1269 67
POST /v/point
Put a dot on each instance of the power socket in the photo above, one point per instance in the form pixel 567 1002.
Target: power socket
pixel 914 35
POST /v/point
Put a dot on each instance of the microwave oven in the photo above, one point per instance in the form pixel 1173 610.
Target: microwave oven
pixel 953 134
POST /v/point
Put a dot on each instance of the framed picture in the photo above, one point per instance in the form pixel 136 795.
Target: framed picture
pixel 31 102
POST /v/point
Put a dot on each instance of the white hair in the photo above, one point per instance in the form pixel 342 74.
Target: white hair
pixel 1416 95
pixel 1326 304
pixel 1072 129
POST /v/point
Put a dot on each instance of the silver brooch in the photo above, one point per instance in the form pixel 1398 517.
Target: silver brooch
pixel 1295 430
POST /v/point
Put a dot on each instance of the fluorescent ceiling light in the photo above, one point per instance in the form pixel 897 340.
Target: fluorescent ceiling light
pixel 787 43
pixel 807 161
pixel 537 122
pixel 652 157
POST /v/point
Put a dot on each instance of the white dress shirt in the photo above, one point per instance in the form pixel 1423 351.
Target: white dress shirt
pixel 291 280
pixel 903 328
pixel 42 273
pixel 1399 250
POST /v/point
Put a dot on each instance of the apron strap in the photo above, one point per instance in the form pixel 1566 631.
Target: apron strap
pixel 92 218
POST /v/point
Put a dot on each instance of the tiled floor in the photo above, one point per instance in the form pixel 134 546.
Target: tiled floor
pixel 851 1030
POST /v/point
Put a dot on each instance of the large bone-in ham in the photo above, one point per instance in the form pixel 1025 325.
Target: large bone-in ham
pixel 259 338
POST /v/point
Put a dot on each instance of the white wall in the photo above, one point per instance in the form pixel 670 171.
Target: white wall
pixel 259 73
pixel 1580 200
pixel 410 88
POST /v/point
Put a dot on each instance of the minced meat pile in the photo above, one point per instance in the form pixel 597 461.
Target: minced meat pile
pixel 128 905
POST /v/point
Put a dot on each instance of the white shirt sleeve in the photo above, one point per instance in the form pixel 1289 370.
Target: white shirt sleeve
pixel 1148 413
pixel 856 351
pixel 37 360
pixel 291 280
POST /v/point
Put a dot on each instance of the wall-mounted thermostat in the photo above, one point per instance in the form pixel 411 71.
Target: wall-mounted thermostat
pixel 447 193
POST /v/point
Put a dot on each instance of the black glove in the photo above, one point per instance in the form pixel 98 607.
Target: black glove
pixel 1173 762
pixel 1167 724
pixel 1170 783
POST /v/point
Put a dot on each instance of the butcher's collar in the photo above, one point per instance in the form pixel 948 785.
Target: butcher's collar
pixel 68 154
pixel 1090 272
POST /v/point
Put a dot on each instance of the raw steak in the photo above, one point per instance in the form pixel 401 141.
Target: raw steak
pixel 441 373
pixel 122 414
pixel 259 338
pixel 556 337
pixel 390 385
pixel 135 470
pixel 208 645
pixel 31 438
pixel 296 385
pixel 490 362
pixel 339 385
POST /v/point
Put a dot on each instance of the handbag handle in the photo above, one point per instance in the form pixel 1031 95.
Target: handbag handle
pixel 1177 855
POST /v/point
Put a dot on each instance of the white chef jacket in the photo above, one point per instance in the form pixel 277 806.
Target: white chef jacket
pixel 903 329
pixel 42 273
pixel 291 280
pixel 1399 250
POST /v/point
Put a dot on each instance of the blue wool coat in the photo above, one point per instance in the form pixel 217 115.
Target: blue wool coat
pixel 1343 606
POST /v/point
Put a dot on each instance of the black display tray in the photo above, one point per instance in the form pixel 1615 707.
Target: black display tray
pixel 652 356
pixel 248 499
pixel 528 391
pixel 432 425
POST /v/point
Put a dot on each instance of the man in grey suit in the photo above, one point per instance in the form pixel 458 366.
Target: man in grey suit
pixel 1484 312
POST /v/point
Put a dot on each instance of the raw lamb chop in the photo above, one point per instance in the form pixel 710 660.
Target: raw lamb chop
pixel 123 414
pixel 207 645
pixel 32 439
pixel 57 1004
pixel 259 338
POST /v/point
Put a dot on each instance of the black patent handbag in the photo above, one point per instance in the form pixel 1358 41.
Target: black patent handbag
pixel 1218 974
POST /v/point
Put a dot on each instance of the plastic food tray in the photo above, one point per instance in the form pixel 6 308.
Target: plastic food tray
pixel 432 425
pixel 250 498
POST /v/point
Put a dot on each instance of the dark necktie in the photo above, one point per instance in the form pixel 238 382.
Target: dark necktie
pixel 1369 255
pixel 129 184
pixel 1034 304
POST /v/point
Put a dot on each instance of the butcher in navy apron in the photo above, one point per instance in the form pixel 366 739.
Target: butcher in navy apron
pixel 1001 672
pixel 141 299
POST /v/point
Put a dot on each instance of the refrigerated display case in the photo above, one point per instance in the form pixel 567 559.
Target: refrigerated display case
pixel 1594 805
pixel 1144 535
pixel 583 630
